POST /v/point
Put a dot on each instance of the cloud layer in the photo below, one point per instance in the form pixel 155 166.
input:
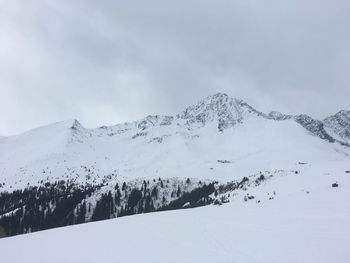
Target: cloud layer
pixel 105 62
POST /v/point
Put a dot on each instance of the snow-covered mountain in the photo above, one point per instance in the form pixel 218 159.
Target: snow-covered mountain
pixel 150 164
pixel 216 128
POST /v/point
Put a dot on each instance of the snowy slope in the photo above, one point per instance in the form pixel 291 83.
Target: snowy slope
pixel 277 171
pixel 187 145
pixel 306 221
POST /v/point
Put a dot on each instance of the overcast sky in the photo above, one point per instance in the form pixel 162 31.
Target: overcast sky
pixel 104 62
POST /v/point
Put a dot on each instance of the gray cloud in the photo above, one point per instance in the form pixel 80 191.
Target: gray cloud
pixel 104 62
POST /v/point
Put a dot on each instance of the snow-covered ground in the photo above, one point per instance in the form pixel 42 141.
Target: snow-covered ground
pixel 295 216
pixel 300 218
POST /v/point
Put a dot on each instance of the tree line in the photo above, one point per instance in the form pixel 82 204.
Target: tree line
pixel 65 203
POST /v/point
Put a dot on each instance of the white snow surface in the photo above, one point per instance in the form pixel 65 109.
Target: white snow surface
pixel 306 221
pixel 187 145
pixel 300 216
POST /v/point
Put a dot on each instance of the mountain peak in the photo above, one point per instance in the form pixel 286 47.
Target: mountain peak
pixel 74 128
pixel 66 124
pixel 76 125
pixel 217 97
pixel 226 111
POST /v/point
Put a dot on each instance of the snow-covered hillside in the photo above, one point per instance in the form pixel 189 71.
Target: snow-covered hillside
pixel 293 218
pixel 66 174
pixel 187 145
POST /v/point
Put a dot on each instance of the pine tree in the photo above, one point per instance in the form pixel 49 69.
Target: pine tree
pixel 178 193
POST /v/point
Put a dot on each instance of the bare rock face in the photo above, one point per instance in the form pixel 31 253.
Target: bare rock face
pixel 220 108
pixel 339 124
pixel 156 120
pixel 278 116
pixel 315 127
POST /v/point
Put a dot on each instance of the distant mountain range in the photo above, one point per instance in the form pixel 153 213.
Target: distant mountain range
pixel 64 174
